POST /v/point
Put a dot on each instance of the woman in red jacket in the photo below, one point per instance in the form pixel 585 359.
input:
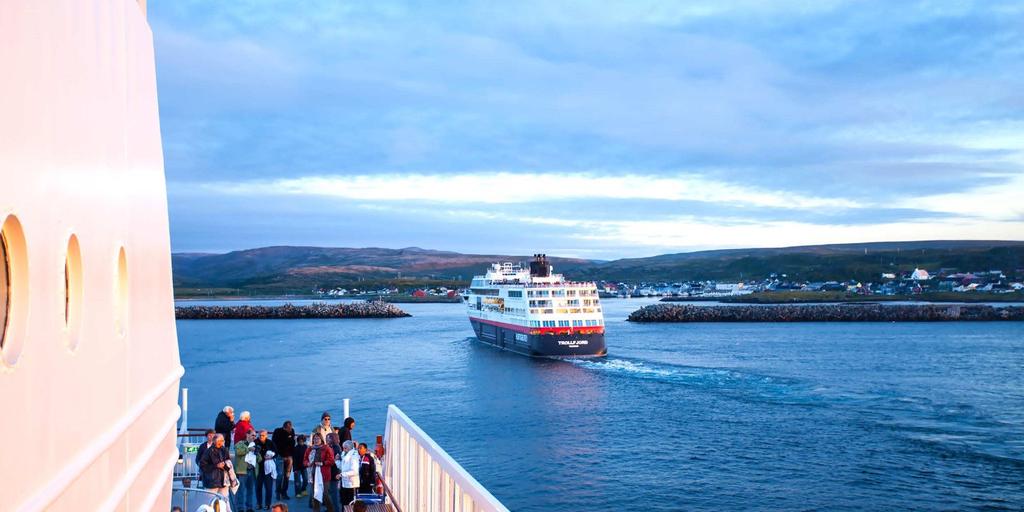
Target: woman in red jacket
pixel 243 426
pixel 319 459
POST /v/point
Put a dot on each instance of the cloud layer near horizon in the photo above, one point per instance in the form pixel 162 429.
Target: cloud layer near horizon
pixel 590 129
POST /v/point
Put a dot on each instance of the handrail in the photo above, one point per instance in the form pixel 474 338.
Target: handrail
pixel 144 458
pixel 216 501
pixel 390 495
pixel 424 476
pixel 80 461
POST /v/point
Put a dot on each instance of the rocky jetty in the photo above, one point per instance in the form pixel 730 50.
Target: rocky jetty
pixel 826 313
pixel 373 309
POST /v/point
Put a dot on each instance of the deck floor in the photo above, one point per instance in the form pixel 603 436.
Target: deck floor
pixel 373 507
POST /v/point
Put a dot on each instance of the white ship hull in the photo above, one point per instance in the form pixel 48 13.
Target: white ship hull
pixel 89 373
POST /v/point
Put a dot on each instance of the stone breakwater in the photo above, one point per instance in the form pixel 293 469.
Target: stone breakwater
pixel 826 313
pixel 375 309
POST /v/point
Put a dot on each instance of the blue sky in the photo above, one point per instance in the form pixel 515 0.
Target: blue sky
pixel 591 129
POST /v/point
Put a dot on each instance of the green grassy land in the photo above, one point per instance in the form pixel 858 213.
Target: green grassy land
pixel 785 297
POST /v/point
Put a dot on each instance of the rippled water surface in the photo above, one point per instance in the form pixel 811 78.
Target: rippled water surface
pixel 924 416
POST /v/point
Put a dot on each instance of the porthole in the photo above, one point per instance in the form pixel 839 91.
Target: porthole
pixel 13 290
pixel 73 291
pixel 5 288
pixel 121 294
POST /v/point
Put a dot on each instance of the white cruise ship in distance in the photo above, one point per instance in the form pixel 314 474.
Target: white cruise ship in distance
pixel 535 312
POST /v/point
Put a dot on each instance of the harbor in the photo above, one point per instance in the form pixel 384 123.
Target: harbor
pixel 797 411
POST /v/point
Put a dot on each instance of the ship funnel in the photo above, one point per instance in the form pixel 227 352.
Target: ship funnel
pixel 540 267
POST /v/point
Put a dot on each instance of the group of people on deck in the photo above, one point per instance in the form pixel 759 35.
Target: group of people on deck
pixel 238 461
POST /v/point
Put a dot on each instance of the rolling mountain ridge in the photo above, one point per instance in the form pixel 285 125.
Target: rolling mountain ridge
pixel 287 269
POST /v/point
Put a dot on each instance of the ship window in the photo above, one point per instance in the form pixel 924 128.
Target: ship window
pixel 121 294
pixel 73 291
pixel 5 292
pixel 13 290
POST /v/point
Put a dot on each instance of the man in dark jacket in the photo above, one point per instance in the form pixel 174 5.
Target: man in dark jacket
pixel 367 470
pixel 284 440
pixel 225 423
pixel 214 464
pixel 346 431
pixel 264 444
pixel 206 445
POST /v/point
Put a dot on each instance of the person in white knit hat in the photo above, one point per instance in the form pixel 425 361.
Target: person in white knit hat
pixel 269 475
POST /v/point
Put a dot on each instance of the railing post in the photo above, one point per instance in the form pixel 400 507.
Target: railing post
pixel 345 408
pixel 184 411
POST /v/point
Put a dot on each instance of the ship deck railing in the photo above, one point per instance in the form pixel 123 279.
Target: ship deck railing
pixel 422 477
pixel 188 445
pixel 416 473
pixel 194 500
pixel 517 282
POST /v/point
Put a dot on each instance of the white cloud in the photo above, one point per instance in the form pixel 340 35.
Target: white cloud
pixel 693 233
pixel 688 232
pixel 504 187
pixel 1004 202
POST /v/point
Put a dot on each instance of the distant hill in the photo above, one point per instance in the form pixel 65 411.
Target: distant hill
pixel 860 261
pixel 284 269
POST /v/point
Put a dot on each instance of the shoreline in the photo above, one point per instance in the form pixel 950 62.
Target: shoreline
pixel 290 311
pixel 847 298
pixel 667 313
pixel 394 299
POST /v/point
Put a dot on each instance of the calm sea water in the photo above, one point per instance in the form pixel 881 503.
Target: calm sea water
pixel 678 417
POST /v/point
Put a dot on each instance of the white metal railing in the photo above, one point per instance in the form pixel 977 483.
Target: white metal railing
pixel 187 466
pixel 198 500
pixel 422 477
